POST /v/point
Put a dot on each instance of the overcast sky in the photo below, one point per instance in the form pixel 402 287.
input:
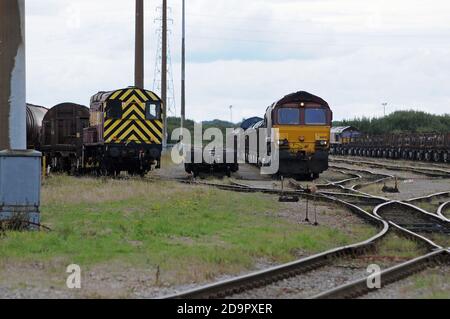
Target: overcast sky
pixel 356 54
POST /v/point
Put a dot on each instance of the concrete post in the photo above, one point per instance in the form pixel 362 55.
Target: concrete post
pixel 12 75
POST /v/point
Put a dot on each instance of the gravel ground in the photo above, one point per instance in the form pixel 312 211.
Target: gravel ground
pixel 431 283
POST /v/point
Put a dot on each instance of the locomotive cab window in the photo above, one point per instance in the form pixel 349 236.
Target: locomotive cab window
pixel 114 110
pixel 289 116
pixel 153 110
pixel 315 117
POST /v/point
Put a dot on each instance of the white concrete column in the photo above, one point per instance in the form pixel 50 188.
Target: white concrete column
pixel 12 75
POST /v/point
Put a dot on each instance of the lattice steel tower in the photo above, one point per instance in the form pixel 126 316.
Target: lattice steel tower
pixel 171 101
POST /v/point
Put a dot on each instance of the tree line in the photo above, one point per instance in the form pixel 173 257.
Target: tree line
pixel 401 122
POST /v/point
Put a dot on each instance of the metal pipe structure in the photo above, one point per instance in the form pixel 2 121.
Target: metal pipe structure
pixel 139 45
pixel 183 67
pixel 164 69
pixel 12 75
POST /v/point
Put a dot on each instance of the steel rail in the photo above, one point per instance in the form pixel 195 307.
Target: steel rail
pixel 441 209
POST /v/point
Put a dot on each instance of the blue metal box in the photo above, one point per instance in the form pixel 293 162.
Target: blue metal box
pixel 20 185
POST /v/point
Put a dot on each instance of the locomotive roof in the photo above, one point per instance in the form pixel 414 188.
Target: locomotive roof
pixel 301 96
pixel 102 96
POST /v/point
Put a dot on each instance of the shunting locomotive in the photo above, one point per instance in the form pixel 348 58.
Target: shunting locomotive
pixel 125 132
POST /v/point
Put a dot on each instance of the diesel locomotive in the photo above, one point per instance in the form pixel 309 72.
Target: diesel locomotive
pixel 304 122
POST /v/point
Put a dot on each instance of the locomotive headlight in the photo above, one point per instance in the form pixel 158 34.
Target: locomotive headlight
pixel 323 143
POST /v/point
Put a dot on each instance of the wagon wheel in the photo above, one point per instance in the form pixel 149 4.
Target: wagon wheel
pixel 228 172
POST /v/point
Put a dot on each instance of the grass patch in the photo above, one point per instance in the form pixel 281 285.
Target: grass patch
pixel 434 285
pixel 191 233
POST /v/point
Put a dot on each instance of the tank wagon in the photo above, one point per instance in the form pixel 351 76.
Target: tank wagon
pixel 35 116
pixel 414 146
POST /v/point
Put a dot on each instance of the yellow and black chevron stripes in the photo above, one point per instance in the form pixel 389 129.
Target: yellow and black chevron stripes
pixel 122 131
pixel 133 126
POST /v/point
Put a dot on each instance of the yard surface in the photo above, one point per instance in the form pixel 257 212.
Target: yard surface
pixel 135 238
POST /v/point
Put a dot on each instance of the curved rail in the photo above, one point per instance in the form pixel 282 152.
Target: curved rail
pixel 359 287
pixel 433 222
pixel 441 209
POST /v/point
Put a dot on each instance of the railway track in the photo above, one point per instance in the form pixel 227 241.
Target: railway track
pixel 419 221
pixel 359 287
pixel 416 228
pixel 241 284
pixel 266 277
pixel 430 172
pixel 440 207
pixel 414 219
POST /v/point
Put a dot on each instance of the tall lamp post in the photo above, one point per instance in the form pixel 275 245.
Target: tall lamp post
pixel 231 113
pixel 183 67
pixel 384 108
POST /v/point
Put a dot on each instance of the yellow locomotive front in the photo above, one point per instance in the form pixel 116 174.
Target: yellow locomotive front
pixel 126 131
pixel 304 122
